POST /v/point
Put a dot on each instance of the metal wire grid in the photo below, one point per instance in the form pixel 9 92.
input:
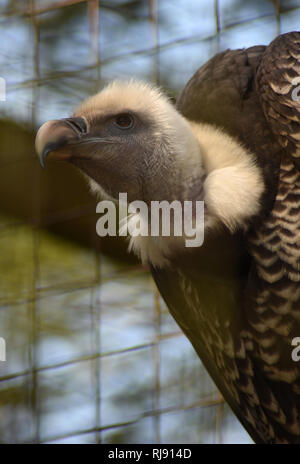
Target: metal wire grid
pixel 94 9
pixel 31 11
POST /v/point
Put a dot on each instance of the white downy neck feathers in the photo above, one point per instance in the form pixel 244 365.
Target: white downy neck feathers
pixel 233 183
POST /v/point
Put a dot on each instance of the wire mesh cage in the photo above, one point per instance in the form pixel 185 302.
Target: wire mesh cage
pixel 92 354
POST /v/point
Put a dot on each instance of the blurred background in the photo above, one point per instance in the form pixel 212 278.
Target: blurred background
pixel 92 354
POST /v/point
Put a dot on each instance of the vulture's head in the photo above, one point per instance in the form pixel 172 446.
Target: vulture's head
pixel 130 138
pixel 127 138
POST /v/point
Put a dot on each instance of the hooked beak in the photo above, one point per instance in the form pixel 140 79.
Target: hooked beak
pixel 55 138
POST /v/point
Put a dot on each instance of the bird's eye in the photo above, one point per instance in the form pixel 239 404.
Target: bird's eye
pixel 124 121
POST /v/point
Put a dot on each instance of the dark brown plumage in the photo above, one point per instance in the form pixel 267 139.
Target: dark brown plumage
pixel 237 298
pixel 244 332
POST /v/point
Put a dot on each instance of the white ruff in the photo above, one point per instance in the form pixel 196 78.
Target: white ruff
pixel 233 186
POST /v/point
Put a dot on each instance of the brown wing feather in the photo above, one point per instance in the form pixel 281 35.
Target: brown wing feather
pixel 278 83
pixel 273 296
pixel 244 336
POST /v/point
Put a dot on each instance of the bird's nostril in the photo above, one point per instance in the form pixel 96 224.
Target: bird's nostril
pixel 79 124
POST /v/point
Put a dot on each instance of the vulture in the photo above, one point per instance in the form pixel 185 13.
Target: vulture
pixel 231 141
